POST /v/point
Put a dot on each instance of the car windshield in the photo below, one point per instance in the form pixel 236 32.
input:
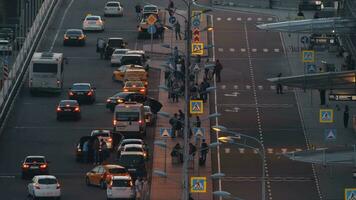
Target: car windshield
pixel 93 18
pixel 121 183
pixel 74 32
pixel 131 142
pixel 70 103
pixel 115 43
pixel 147 109
pixel 117 171
pixel 101 134
pixel 131 60
pixel 131 160
pixel 35 160
pixel 127 116
pixel 112 4
pixel 47 181
pixel 4 42
pixel 119 52
pixel 149 9
pixel 133 149
pixel 134 84
pixel 45 68
pixel 80 87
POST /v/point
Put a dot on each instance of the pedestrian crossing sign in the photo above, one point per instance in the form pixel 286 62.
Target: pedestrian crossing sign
pixel 330 134
pixel 350 193
pixel 308 56
pixel 197 48
pixel 196 107
pixel 199 132
pixel 165 132
pixel 326 116
pixel 197 184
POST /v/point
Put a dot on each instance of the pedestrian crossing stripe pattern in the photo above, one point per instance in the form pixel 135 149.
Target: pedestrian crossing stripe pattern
pixel 254 50
pixel 249 87
pixel 269 151
pixel 249 19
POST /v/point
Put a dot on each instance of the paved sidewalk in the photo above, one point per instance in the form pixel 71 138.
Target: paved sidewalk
pixel 332 180
pixel 170 188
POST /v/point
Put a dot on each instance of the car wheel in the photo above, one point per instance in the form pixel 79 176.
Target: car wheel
pixel 59 118
pixel 87 181
pixel 102 184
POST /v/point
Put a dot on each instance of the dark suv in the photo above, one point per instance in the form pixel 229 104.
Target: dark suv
pixel 34 165
pixel 134 162
pixel 112 44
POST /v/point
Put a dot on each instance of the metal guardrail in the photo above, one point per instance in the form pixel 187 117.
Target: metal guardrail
pixel 19 67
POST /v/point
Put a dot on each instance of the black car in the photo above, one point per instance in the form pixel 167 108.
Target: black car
pixel 74 37
pixel 112 44
pixel 7 33
pixel 82 92
pixel 68 109
pixel 134 162
pixel 123 97
pixel 79 148
pixel 34 165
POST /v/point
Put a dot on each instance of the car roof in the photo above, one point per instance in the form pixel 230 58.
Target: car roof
pixel 35 157
pixel 94 16
pixel 5 41
pixel 116 38
pixel 133 146
pixel 74 29
pixel 133 55
pixel 110 166
pixel 96 131
pixel 136 52
pixel 132 140
pixel 87 84
pixel 150 5
pixel 121 49
pixel 134 153
pixel 45 177
pixel 121 177
pixel 112 2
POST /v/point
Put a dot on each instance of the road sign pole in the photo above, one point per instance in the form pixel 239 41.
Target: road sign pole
pixel 151 42
pixel 165 157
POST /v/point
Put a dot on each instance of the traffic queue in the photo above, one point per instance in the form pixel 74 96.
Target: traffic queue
pixel 119 155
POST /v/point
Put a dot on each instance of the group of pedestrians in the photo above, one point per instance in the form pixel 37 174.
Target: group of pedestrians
pixel 177 122
pixel 177 152
pixel 96 151
pixel 141 187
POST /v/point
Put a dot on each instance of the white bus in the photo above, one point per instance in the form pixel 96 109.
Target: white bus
pixel 46 72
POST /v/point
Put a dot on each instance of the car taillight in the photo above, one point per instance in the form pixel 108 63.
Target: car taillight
pixel 58 83
pixel 120 101
pixel 142 90
pixel 114 122
pixel 140 122
pixel 43 166
pixel 66 37
pixel 25 166
pixel 76 109
pixel 126 90
pixel 58 186
pixel 90 93
pixel 71 93
pixel 110 140
pixel 108 100
pixel 81 37
pixel 37 186
pixel 59 109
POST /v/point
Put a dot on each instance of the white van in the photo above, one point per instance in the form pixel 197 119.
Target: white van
pixel 129 118
pixel 46 72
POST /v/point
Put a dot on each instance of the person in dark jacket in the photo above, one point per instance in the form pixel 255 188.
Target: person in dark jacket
pixel 346 116
pixel 204 148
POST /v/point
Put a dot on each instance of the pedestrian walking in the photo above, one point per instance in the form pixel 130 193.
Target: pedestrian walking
pixel 190 197
pixel 177 152
pixel 177 31
pixel 197 122
pixel 279 85
pixel 86 151
pixel 204 149
pixel 346 116
pixel 171 5
pixel 102 145
pixel 192 149
pixel 175 93
pixel 175 54
pixel 138 188
pixel 217 70
pixel 138 10
pixel 173 123
pixel 181 115
pixel 101 47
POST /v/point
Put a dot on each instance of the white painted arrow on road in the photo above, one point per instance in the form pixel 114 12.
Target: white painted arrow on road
pixel 235 110
pixel 233 94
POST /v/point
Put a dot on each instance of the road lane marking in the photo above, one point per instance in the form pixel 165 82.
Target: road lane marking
pixel 276 50
pixel 229 19
pixel 220 49
pixel 218 19
pixel 239 19
pixel 271 178
pixel 59 127
pixel 60 25
pixel 232 49
pixel 243 50
pixel 254 50
pixel 265 50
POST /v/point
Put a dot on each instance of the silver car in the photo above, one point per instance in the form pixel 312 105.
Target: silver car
pixel 113 8
pixel 121 187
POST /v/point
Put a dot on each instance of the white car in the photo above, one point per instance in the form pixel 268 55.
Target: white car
pixel 93 23
pixel 150 9
pixel 5 47
pixel 149 116
pixel 106 135
pixel 113 8
pixel 116 56
pixel 44 186
pixel 130 141
pixel 121 187
pixel 135 148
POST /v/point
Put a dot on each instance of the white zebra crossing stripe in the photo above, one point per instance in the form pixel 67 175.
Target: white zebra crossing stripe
pixel 255 151
pixel 243 50
pixel 228 19
pixel 239 19
pixel 227 150
pixel 232 49
pixel 218 19
pixel 242 150
pixel 273 87
pixel 248 87
pixel 236 87
pixel 259 19
pixel 223 87
pixel 265 50
pixel 254 50
pixel 298 149
pixel 270 150
pixel 260 87
pixel 249 19
pixel 270 19
pixel 220 49
pixel 284 150
pixel 276 50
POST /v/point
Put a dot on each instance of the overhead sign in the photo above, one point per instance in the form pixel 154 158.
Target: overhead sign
pixel 304 39
pixel 342 97
pixel 196 14
pixel 165 132
pixel 197 184
pixel 152 29
pixel 196 22
pixel 197 48
pixel 326 116
pixel 308 56
pixel 350 193
pixel 330 134
pixel 199 132
pixel 196 107
pixel 311 68
pixel 151 19
pixel 172 20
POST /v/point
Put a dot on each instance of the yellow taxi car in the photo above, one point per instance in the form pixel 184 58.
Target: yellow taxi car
pixel 101 175
pixel 135 86
pixel 119 73
pixel 136 75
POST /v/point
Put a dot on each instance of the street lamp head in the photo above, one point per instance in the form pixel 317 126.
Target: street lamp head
pixel 209 89
pixel 214 115
pixel 217 175
pixel 221 193
pixel 219 128
pixel 164 114
pixel 214 144
pixel 210 28
pixel 160 173
pixel 160 143
pixel 225 139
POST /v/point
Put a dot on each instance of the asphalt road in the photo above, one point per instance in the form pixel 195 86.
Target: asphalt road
pixel 249 105
pixel 32 128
